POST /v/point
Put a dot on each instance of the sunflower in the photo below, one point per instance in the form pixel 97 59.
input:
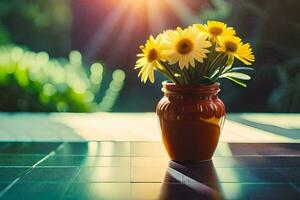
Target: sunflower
pixel 233 47
pixel 215 29
pixel 150 58
pixel 185 46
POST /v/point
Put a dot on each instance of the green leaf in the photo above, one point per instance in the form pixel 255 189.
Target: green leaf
pixel 239 82
pixel 236 75
pixel 227 69
pixel 240 68
pixel 207 78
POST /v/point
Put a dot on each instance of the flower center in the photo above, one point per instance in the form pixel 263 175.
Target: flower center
pixel 215 30
pixel 152 55
pixel 184 46
pixel 231 46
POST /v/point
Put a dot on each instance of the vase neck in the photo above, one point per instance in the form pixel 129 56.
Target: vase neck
pixel 202 92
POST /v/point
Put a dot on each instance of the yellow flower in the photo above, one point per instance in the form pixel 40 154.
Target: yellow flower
pixel 215 29
pixel 233 47
pixel 185 46
pixel 150 58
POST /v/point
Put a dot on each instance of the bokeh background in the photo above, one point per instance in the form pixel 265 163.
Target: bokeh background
pixel 79 55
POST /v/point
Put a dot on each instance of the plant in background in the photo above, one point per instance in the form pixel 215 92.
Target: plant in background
pixel 199 54
pixel 31 81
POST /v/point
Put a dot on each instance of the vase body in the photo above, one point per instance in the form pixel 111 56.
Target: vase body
pixel 191 119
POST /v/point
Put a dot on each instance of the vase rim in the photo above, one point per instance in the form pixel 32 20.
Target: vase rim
pixel 169 88
pixel 215 84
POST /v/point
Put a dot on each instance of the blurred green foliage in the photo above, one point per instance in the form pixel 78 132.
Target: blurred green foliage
pixel 286 97
pixel 32 81
pixel 272 27
pixel 40 25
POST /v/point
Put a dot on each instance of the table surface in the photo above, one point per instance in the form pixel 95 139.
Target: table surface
pixel 57 127
pixel 263 162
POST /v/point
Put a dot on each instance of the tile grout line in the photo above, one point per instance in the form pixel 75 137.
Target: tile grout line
pixel 7 188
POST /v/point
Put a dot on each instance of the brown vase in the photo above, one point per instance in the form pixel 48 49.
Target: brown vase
pixel 191 118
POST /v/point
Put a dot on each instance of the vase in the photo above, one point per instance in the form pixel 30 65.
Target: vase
pixel 191 119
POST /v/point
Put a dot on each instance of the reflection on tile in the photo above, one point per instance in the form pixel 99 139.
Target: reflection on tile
pixel 8 174
pixel 252 175
pixel 43 191
pixel 179 191
pixel 264 149
pixel 142 170
pixel 91 161
pixel 152 149
pixel 48 174
pixel 234 191
pixel 285 161
pixel 97 191
pixel 290 174
pixel 252 149
pixel 95 149
pixel 28 147
pixel 147 174
pixel 103 174
pixel 3 185
pixel 256 162
pixel 149 162
pixel 145 190
pixel 19 160
pixel 196 173
pixel 296 186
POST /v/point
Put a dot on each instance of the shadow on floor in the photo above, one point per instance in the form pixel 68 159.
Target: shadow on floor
pixel 290 133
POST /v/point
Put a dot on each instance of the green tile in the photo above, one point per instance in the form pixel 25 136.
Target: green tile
pixel 19 160
pixel 45 191
pixel 28 147
pixel 8 174
pixel 51 174
pixel 87 161
pixel 103 174
pixel 95 149
pixel 3 185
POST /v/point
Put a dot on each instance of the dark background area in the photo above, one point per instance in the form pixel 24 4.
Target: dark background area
pixel 110 32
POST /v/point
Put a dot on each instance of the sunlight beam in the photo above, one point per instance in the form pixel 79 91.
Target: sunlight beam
pixel 155 17
pixel 104 30
pixel 185 14
pixel 126 33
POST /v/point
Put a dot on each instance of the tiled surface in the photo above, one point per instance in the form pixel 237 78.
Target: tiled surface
pixel 82 127
pixel 141 170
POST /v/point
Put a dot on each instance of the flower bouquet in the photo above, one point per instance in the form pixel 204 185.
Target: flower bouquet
pixel 193 60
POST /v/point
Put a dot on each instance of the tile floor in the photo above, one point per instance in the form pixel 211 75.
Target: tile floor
pixel 141 170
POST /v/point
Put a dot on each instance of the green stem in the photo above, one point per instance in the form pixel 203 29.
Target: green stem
pixel 210 57
pixel 216 63
pixel 166 74
pixel 221 68
pixel 169 72
pixel 186 76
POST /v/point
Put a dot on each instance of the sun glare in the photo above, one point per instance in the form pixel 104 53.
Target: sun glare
pixel 127 17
